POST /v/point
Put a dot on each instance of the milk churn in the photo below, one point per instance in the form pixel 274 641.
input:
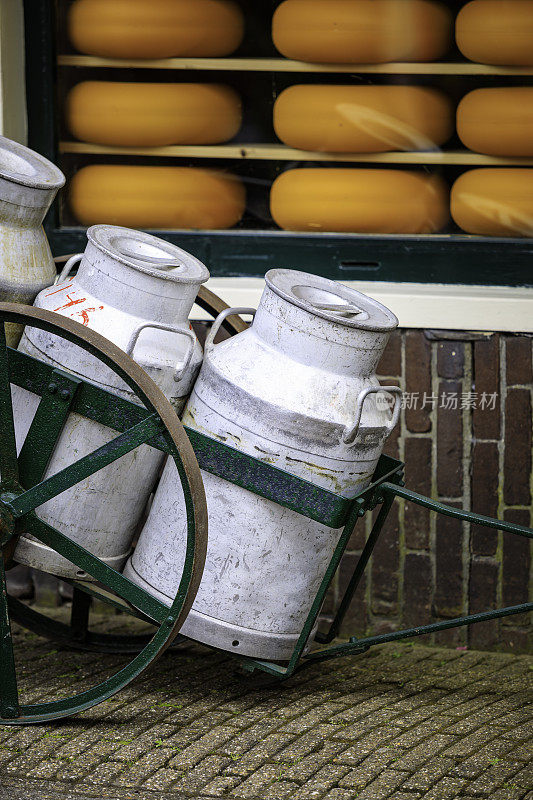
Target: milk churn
pixel 137 291
pixel 28 185
pixel 296 390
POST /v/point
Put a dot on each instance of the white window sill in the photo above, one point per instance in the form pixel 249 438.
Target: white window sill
pixel 417 305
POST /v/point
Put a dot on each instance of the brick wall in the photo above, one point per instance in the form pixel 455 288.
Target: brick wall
pixel 465 436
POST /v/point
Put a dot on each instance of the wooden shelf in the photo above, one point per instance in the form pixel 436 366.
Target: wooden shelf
pixel 286 65
pixel 278 152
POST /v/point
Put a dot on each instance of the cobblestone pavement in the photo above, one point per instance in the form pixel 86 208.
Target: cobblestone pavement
pixel 402 721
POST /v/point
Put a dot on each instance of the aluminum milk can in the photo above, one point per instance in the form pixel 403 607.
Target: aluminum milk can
pixel 137 291
pixel 28 185
pixel 296 390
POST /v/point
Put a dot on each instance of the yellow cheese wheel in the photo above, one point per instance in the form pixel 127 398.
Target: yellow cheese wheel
pixel 359 201
pixel 496 31
pixel 156 197
pixel 498 122
pixel 362 119
pixel 155 28
pixel 494 202
pixel 361 31
pixel 151 114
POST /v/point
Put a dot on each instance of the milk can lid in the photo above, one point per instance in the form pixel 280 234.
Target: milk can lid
pixel 331 300
pixel 148 254
pixel 21 165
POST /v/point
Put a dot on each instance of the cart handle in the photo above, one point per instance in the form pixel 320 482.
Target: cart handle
pixel 178 375
pixel 67 269
pixel 227 312
pixel 350 432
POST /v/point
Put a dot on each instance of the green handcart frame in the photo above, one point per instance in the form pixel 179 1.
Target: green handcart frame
pixel 22 490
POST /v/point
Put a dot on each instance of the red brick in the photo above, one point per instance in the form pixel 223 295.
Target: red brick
pixel 391 447
pixel 450 444
pixel 448 598
pixel 485 478
pixel 483 590
pixel 516 564
pixel 385 626
pixel 450 359
pixel 417 379
pixel 517 453
pixel 418 478
pixel 452 637
pixel 417 589
pixel 519 361
pixel 355 621
pixel 357 540
pixel 385 567
pixel 517 640
pixel 391 360
pixel 486 381
pixel 330 602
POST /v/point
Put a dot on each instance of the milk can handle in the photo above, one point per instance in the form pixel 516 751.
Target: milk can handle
pixel 228 312
pixel 178 375
pixel 350 433
pixel 65 272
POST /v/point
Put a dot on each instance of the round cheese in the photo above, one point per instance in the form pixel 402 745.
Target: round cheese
pixel 494 202
pixel 361 31
pixel 362 119
pixel 155 28
pixel 496 32
pixel 498 122
pixel 156 197
pixel 359 201
pixel 151 114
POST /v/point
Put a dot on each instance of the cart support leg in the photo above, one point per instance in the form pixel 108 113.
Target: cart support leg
pixel 9 704
pixel 326 638
pixel 79 615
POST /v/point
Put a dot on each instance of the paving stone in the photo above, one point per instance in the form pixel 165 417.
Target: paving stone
pixel 195 779
pixel 427 775
pixel 339 794
pixel 302 769
pixel 280 789
pixel 220 786
pixel 419 755
pixel 255 785
pixel 326 778
pixel 446 789
pixel 493 778
pixel 383 786
pixel 162 779
pixel 402 722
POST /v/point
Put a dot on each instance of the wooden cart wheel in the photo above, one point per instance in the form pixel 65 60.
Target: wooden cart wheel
pixel 77 635
pixel 212 303
pixel 20 496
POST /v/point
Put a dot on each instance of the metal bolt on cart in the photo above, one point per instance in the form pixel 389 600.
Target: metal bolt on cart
pixel 312 505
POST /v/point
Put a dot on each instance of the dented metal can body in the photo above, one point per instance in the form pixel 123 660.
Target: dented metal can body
pixel 137 291
pixel 28 185
pixel 296 390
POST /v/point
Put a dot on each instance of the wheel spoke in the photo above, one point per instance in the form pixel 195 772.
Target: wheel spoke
pixel 9 704
pixel 46 427
pixel 88 465
pixel 85 561
pixel 8 446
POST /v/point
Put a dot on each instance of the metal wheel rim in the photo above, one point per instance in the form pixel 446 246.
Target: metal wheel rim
pixel 172 430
